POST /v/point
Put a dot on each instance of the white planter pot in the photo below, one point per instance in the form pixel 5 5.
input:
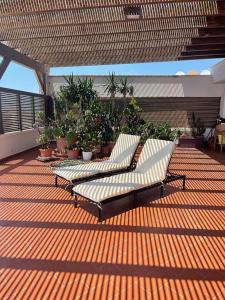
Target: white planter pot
pixel 86 155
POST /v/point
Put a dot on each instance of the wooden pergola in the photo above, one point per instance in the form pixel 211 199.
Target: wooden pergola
pixel 43 34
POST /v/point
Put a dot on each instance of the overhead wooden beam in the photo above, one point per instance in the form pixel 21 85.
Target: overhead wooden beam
pixel 100 31
pixel 3 66
pixel 20 58
pixel 175 21
pixel 76 50
pixel 204 52
pixel 215 21
pixel 208 32
pixel 37 7
pixel 194 57
pixel 206 47
pixel 101 45
pixel 191 21
pixel 208 40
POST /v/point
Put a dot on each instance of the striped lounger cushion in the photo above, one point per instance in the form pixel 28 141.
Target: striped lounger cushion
pixel 151 169
pixel 120 158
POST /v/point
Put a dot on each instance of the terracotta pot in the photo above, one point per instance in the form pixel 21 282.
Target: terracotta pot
pixel 86 155
pixel 73 153
pixel 61 145
pixel 45 152
pixel 111 145
pixel 105 150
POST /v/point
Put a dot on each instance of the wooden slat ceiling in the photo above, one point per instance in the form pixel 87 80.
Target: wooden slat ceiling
pixel 94 32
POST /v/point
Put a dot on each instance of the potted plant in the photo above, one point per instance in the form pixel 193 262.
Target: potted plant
pixel 176 133
pixel 44 139
pixel 59 134
pixel 60 130
pixel 132 117
pixel 72 148
pixel 87 145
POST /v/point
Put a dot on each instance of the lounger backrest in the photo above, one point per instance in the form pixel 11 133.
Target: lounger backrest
pixel 154 158
pixel 124 149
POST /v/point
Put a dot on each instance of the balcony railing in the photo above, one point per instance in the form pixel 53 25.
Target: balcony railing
pixel 18 109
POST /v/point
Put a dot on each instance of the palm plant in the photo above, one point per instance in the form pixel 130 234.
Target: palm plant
pixel 125 88
pixel 112 85
pixel 68 94
pixel 86 92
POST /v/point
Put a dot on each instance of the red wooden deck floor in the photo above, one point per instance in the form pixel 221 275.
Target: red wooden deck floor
pixel 171 248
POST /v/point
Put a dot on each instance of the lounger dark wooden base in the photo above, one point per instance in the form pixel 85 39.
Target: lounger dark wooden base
pixel 169 178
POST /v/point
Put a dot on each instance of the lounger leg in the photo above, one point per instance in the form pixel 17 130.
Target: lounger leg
pixel 71 192
pixel 162 190
pixel 75 202
pixel 99 213
pixel 134 200
pixel 56 181
pixel 184 182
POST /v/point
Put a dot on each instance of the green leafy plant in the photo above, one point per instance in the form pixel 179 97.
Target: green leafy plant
pixel 126 88
pixel 89 126
pixel 132 117
pixel 87 93
pixel 112 85
pixel 157 131
pixel 61 127
pixel 68 93
pixel 45 138
pixel 75 93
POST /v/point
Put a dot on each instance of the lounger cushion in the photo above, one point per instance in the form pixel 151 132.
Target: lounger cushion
pixel 101 189
pixel 85 170
pixel 120 158
pixel 124 149
pixel 74 172
pixel 151 169
pixel 154 159
pixel 108 187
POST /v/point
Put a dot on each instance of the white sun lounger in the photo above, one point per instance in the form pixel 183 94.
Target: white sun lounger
pixel 151 170
pixel 119 160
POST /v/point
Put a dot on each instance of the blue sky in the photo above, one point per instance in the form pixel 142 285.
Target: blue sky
pixel 18 77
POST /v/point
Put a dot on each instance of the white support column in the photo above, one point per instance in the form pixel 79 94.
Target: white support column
pixel 3 66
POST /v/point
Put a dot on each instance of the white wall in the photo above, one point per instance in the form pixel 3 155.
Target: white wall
pixel 156 86
pixel 218 72
pixel 15 142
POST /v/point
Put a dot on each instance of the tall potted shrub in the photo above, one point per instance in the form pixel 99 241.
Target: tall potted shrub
pixel 61 128
pixel 59 133
pixel 87 145
pixel 44 139
pixel 45 135
pixel 132 117
pixel 72 148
